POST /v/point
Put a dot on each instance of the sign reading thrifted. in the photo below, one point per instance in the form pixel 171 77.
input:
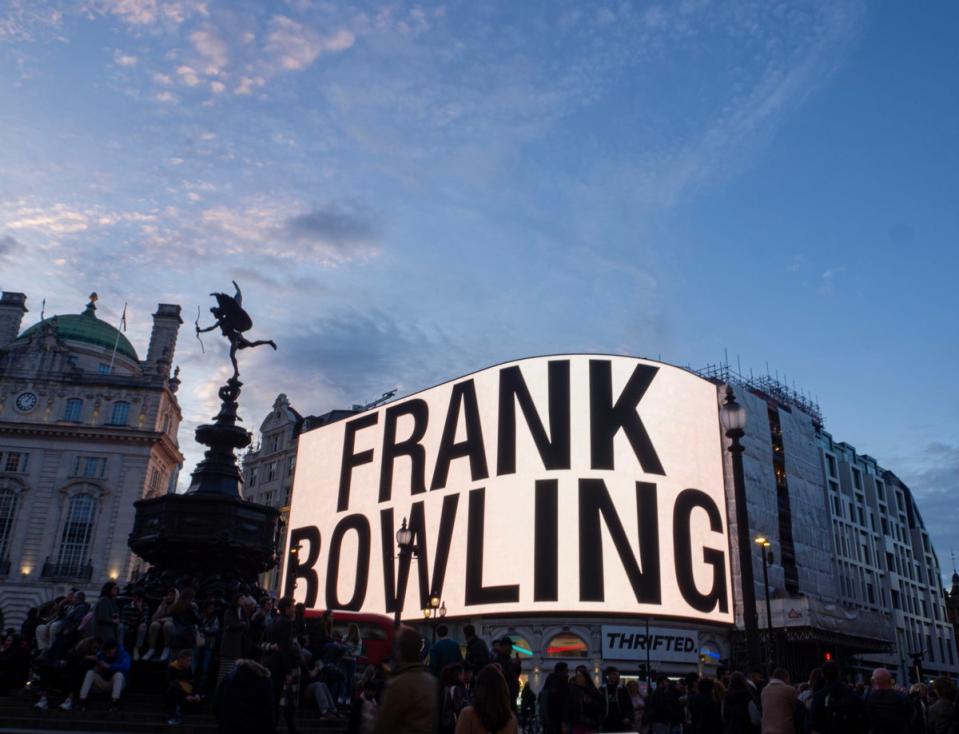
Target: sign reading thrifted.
pixel 666 644
pixel 575 483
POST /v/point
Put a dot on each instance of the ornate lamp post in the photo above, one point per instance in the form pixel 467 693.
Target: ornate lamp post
pixel 767 552
pixel 732 416
pixel 436 609
pixel 404 542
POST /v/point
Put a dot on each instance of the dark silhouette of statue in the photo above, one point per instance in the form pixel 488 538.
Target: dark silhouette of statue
pixel 232 321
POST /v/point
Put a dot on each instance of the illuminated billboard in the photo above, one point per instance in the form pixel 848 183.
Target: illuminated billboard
pixel 563 484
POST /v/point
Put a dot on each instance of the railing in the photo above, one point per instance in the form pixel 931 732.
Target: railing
pixel 81 571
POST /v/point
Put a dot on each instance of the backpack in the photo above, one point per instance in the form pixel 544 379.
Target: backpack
pixel 841 712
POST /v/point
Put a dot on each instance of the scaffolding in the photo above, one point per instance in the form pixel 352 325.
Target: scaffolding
pixel 765 386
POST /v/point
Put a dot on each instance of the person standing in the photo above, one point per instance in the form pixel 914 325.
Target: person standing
pixel 410 700
pixel 778 704
pixel 638 702
pixel 552 699
pixel 477 651
pixel 584 705
pixel 236 625
pixel 942 714
pixel 510 667
pixel 618 715
pixel 740 712
pixel 106 616
pixel 207 641
pixel 490 710
pixel 835 708
pixel 444 651
pixel 887 710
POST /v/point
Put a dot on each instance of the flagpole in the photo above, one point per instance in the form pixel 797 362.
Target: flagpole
pixel 116 343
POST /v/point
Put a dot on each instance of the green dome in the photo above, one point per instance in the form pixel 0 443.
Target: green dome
pixel 87 328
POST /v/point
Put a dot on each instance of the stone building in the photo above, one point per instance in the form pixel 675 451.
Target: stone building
pixel 952 605
pixel 86 429
pixel 269 467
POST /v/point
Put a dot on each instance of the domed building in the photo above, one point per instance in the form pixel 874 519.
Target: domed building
pixel 86 429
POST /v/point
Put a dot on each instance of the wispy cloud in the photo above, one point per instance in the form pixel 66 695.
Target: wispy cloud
pixel 294 46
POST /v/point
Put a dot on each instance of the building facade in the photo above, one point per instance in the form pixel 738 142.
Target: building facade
pixel 853 575
pixel 86 429
pixel 269 466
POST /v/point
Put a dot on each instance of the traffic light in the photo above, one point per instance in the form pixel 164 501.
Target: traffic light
pixel 827 656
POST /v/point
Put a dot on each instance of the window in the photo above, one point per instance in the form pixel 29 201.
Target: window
pixel 166 423
pixel 271 473
pixel 14 461
pixel 881 491
pixel 856 479
pixel 895 599
pixel 120 413
pixel 276 442
pixel 8 508
pixel 252 481
pixel 154 479
pixel 567 645
pixel 77 532
pixel 290 466
pixel 267 499
pixel 831 464
pixel 73 410
pixel 89 466
pixel 103 369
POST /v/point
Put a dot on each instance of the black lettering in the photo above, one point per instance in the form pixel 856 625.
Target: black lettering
pixel 554 450
pixel 298 568
pixel 476 593
pixel 546 541
pixel 686 502
pixel 606 418
pixel 361 525
pixel 445 537
pixel 463 394
pixel 594 501
pixel 351 459
pixel 411 447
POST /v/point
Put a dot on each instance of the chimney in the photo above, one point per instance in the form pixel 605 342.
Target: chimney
pixel 166 325
pixel 12 308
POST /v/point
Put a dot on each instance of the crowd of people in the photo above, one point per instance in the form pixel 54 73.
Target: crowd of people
pixel 257 661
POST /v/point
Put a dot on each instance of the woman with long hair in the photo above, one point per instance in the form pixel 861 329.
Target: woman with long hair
pixel 490 712
pixel 584 705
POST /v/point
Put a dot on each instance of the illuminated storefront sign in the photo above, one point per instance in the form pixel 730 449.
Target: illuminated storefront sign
pixel 575 483
pixel 666 644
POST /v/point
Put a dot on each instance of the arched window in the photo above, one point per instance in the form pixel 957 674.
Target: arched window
pixel 567 645
pixel 77 532
pixel 73 410
pixel 8 510
pixel 166 423
pixel 120 414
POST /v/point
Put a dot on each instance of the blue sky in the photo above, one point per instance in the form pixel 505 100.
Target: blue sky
pixel 408 192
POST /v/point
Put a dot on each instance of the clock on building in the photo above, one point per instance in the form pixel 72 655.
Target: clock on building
pixel 26 401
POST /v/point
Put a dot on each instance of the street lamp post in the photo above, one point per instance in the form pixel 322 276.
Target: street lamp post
pixel 771 653
pixel 404 542
pixel 733 418
pixel 436 610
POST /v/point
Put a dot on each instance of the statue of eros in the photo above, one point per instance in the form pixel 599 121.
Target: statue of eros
pixel 232 320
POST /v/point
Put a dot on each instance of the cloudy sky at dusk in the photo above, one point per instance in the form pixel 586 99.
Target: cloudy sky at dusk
pixel 410 192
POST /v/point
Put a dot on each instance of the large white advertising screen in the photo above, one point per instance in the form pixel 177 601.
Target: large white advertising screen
pixel 572 483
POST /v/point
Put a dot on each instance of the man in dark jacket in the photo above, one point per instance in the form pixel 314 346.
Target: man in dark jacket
pixel 409 702
pixel 510 667
pixel 552 701
pixel 244 701
pixel 887 710
pixel 477 653
pixel 835 707
pixel 619 708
